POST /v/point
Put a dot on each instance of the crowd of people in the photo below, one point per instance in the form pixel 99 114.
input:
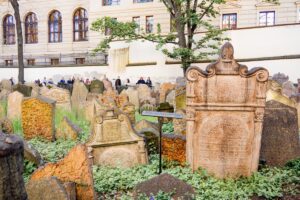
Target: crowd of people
pixel 63 82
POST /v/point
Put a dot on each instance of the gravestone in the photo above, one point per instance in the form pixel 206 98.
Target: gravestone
pixel 225 109
pixel 280 135
pixel 14 105
pixel 38 118
pixel 164 89
pixel 144 94
pixel 171 98
pixel 180 97
pixel 107 84
pixel 133 96
pixel 280 78
pixel 174 148
pixel 46 189
pixel 79 95
pixel 129 109
pixel 114 143
pixel 180 124
pixel 6 126
pixel 97 87
pixel 6 85
pixel 75 167
pixel 289 89
pixel 165 183
pixel 11 167
pixel 61 96
pixel 4 94
pixel 24 89
pixel 67 130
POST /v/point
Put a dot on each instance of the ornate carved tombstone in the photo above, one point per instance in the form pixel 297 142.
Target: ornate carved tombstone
pixel 225 109
pixel 115 143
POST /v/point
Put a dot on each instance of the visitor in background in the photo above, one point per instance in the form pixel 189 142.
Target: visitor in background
pixel 50 82
pixel 87 81
pixel 45 81
pixel 12 80
pixel 141 81
pixel 149 82
pixel 118 84
pixel 70 81
pixel 62 81
pixel 127 82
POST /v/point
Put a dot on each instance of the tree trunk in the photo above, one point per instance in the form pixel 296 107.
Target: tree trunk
pixel 11 168
pixel 15 5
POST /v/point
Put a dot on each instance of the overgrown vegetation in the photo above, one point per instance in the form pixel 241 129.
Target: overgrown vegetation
pixel 268 183
pixel 168 128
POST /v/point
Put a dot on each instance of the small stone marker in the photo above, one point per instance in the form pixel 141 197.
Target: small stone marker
pixel 67 130
pixel 165 183
pixel 14 105
pixel 280 137
pixel 225 109
pixel 11 167
pixel 46 189
pixel 38 118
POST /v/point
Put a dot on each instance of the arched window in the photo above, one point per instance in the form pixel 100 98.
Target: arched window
pixel 80 23
pixel 55 27
pixel 9 30
pixel 31 29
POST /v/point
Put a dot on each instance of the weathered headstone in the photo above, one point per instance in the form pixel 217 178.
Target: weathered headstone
pixel 46 189
pixel 129 110
pixel 280 78
pixel 61 96
pixel 38 117
pixel 75 167
pixel 289 89
pixel 11 167
pixel 280 136
pixel 180 97
pixel 4 94
pixel 225 109
pixel 107 84
pixel 144 93
pixel 24 89
pixel 31 154
pixel 121 100
pixel 180 124
pixel 171 98
pixel 165 183
pixel 79 95
pixel 97 87
pixel 133 96
pixel 67 130
pixel 6 126
pixel 113 142
pixel 174 148
pixel 14 105
pixel 165 88
pixel 6 85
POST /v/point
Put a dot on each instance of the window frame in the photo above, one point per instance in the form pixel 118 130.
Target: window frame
pixel 138 28
pixel 53 61
pixel 266 18
pixel 79 59
pixel 55 23
pixel 31 62
pixel 82 21
pixel 228 24
pixel 106 2
pixel 9 62
pixel 146 29
pixel 31 29
pixel 7 27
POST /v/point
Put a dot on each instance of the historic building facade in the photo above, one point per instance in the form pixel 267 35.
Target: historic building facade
pixel 57 33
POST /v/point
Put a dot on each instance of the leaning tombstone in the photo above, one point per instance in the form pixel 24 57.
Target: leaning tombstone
pixel 38 117
pixel 11 167
pixel 14 105
pixel 280 135
pixel 114 142
pixel 225 109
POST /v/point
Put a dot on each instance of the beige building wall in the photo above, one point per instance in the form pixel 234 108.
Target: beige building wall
pixel 287 12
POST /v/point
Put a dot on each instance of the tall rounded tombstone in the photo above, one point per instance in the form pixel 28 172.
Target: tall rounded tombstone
pixel 97 87
pixel 11 168
pixel 224 113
